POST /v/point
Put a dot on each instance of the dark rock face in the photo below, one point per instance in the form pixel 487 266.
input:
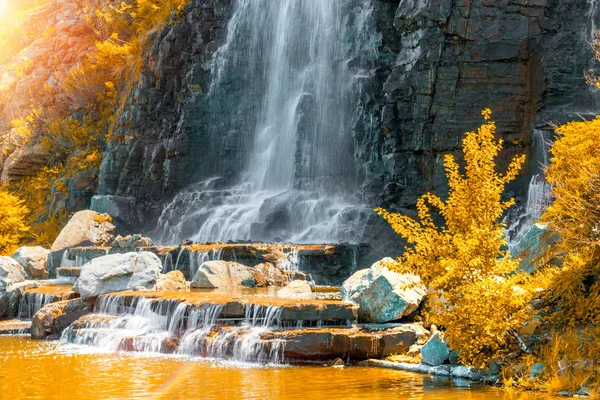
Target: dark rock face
pixel 439 63
pixel 161 143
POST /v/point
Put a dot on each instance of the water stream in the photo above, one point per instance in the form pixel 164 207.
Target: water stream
pixel 166 326
pixel 538 195
pixel 288 77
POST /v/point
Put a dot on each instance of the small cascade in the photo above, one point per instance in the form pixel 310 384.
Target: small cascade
pixel 31 303
pixel 538 196
pixel 197 258
pixel 79 260
pixel 194 260
pixel 167 326
pixel 290 261
pixel 591 14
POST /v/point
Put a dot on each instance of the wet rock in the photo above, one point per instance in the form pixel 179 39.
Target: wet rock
pixel 33 259
pixel 12 276
pixel 299 289
pixel 118 272
pixel 132 242
pixel 398 340
pixel 53 318
pixel 383 295
pixel 173 281
pixel 68 272
pixel 435 351
pixel 223 274
pixel 266 274
pixel 85 228
pixel 12 298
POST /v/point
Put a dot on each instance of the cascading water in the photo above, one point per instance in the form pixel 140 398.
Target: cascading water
pixel 538 195
pixel 30 303
pixel 166 326
pixel 302 65
pixel 194 260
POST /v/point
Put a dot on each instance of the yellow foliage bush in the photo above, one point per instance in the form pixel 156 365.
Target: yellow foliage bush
pixel 36 192
pixel 574 172
pixel 471 277
pixel 12 222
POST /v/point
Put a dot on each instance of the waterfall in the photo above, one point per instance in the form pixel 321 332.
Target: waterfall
pixel 166 326
pixel 31 303
pixel 194 258
pixel 285 85
pixel 591 14
pixel 538 195
pixel 290 261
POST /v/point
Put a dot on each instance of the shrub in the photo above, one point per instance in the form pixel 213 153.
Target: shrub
pixel 12 222
pixel 463 261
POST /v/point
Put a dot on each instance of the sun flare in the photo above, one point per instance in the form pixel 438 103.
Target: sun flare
pixel 4 8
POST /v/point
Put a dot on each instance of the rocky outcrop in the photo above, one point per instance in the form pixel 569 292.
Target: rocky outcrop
pixel 33 259
pixel 33 79
pixel 295 289
pixel 436 64
pixel 223 274
pixel 173 281
pixel 118 272
pixel 53 318
pixel 85 228
pixel 383 295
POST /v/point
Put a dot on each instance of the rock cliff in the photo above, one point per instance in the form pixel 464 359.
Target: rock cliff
pixel 436 64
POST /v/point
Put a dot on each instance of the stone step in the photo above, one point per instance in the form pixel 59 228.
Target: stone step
pixel 356 343
pixel 312 312
pixel 15 327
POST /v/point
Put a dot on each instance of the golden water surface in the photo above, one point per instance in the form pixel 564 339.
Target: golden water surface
pixel 50 370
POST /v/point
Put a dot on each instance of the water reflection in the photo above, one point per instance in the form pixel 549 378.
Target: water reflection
pixel 49 370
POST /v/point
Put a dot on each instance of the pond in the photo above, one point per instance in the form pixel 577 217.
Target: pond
pixel 52 370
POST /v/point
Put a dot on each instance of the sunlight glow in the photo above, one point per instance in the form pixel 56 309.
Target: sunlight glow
pixel 4 8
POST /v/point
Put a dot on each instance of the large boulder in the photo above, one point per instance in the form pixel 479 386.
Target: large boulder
pixel 118 272
pixel 85 228
pixel 296 289
pixel 266 274
pixel 173 281
pixel 222 274
pixel 11 272
pixel 435 351
pixel 53 318
pixel 383 295
pixel 33 259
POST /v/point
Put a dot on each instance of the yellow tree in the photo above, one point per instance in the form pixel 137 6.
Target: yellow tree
pixel 574 173
pixel 471 278
pixel 12 222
